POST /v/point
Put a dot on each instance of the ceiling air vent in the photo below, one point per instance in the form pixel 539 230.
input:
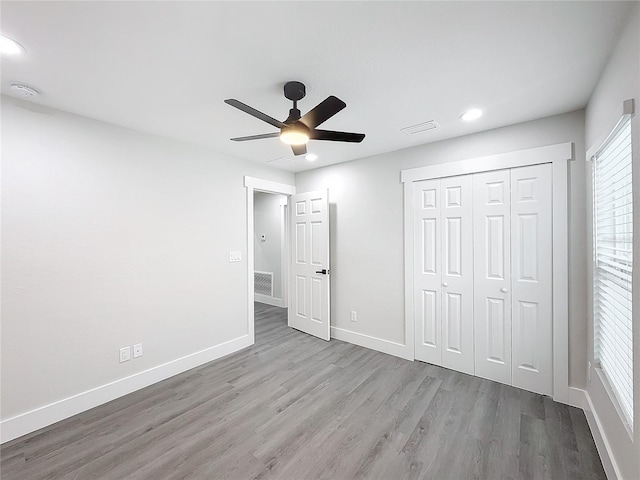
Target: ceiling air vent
pixel 421 127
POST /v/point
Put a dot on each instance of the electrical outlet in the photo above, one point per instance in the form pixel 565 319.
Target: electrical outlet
pixel 137 350
pixel 125 354
pixel 235 257
pixel 354 316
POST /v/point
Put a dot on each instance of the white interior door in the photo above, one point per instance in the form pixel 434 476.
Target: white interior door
pixel 427 268
pixel 309 293
pixel 531 280
pixel 492 274
pixel 457 273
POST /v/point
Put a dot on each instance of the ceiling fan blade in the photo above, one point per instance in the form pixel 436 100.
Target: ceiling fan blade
pixel 323 111
pixel 336 136
pixel 256 137
pixel 299 149
pixel 252 111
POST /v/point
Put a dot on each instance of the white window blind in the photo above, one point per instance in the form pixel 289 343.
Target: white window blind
pixel 613 241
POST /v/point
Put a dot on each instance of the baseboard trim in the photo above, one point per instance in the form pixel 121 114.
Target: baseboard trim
pixel 374 343
pixel 600 439
pixel 276 302
pixel 38 418
pixel 577 398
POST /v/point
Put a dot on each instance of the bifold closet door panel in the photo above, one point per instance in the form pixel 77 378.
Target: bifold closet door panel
pixel 492 275
pixel 531 278
pixel 427 272
pixel 457 273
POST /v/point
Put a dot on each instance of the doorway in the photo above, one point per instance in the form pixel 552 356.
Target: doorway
pixel 306 267
pixel 270 250
pixel 280 192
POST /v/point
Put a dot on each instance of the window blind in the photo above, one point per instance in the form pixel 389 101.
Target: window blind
pixel 613 242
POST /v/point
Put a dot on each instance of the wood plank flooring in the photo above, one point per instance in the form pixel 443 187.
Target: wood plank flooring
pixel 296 407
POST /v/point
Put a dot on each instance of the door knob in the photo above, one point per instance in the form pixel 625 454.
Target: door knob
pixel 445 284
pixel 323 271
pixel 504 290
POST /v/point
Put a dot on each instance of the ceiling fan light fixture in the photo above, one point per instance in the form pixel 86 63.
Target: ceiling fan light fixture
pixel 293 136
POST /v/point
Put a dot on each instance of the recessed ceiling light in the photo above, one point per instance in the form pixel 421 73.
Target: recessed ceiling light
pixel 9 46
pixel 471 115
pixel 311 157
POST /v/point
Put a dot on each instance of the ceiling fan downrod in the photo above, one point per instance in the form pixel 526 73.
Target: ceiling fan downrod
pixel 294 91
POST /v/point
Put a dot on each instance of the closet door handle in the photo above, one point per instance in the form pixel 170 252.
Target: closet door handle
pixel 504 290
pixel 445 284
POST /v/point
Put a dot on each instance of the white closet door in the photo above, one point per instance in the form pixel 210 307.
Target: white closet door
pixel 457 273
pixel 427 277
pixel 531 251
pixel 492 275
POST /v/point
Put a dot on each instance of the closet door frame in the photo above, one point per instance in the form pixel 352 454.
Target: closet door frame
pixel 559 156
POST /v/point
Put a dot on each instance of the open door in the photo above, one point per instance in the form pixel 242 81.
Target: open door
pixel 309 286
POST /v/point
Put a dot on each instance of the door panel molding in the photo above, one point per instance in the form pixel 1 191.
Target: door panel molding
pixel 428 258
pixel 531 279
pixel 492 275
pixel 457 273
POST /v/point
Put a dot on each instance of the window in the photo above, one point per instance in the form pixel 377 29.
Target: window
pixel 613 264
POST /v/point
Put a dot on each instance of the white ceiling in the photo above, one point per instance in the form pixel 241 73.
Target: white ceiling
pixel 166 67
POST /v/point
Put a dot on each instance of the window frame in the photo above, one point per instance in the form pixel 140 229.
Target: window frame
pixel 626 116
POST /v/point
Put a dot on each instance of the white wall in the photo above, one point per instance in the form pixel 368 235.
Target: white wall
pixel 619 81
pixel 267 214
pixel 367 226
pixel 112 237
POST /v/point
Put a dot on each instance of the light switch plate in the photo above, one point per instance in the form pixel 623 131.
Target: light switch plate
pixel 235 257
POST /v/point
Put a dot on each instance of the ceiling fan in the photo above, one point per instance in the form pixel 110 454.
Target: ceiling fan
pixel 296 130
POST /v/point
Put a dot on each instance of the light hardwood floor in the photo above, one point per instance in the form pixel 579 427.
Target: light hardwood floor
pixel 295 407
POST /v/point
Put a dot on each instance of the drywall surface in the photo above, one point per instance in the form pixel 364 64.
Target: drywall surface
pixel 267 214
pixel 111 237
pixel 366 199
pixel 619 81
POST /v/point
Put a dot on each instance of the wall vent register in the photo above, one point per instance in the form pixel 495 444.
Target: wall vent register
pixel 263 283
